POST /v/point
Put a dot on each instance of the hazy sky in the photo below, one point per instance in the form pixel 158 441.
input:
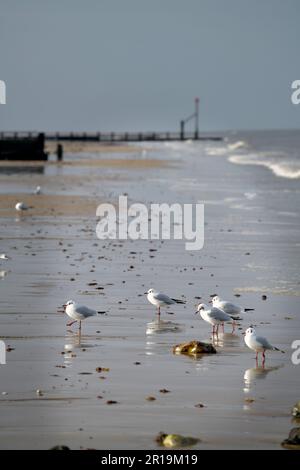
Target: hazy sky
pixel 138 64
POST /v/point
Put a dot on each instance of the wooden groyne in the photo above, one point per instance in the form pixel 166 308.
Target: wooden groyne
pixel 128 136
pixel 19 146
pixel 30 146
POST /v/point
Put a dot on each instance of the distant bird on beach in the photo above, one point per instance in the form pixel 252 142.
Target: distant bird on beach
pixel 259 344
pixel 161 300
pixel 229 307
pixel 4 256
pixel 21 206
pixel 215 316
pixel 38 190
pixel 77 312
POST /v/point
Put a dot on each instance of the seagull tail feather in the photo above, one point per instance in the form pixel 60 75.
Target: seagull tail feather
pixel 178 301
pixel 280 350
pixel 235 318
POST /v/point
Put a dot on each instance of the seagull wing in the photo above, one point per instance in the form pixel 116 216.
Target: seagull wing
pixel 232 308
pixel 85 311
pixel 218 314
pixel 163 298
pixel 264 342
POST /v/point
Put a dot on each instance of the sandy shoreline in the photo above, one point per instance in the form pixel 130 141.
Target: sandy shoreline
pixel 54 259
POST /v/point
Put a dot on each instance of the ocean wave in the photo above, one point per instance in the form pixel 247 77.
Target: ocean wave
pixel 280 165
pixel 223 150
pixel 237 145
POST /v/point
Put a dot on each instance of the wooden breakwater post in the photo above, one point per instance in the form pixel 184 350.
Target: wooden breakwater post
pixel 22 146
pixel 59 152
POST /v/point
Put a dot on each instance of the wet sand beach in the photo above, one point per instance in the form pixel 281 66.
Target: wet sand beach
pixel 251 249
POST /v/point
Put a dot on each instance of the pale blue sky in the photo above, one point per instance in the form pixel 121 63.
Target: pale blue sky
pixel 138 64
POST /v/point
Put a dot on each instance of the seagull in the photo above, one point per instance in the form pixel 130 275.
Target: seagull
pixel 215 316
pixel 161 300
pixel 229 307
pixel 21 206
pixel 38 190
pixel 77 312
pixel 4 256
pixel 258 343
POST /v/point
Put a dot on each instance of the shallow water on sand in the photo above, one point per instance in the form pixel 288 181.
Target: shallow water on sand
pixel 251 248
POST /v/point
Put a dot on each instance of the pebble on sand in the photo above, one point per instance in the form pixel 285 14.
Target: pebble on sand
pixel 102 369
pixel 150 398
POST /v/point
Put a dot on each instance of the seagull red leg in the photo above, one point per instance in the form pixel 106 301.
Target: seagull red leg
pixel 264 358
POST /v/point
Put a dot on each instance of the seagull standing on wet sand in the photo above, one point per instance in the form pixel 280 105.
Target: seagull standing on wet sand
pixel 21 206
pixel 258 343
pixel 38 190
pixel 4 256
pixel 228 307
pixel 77 312
pixel 161 300
pixel 215 316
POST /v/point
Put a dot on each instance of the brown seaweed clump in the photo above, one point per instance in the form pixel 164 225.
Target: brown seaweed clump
pixel 296 410
pixel 175 440
pixel 293 441
pixel 192 348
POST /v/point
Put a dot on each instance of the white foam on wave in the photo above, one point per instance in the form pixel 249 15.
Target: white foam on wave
pixel 237 145
pixel 223 150
pixel 281 166
pixel 216 151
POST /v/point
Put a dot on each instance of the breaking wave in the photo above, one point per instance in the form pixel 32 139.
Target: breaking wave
pixel 280 165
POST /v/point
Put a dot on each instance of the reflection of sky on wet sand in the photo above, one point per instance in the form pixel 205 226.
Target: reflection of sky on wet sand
pixel 158 327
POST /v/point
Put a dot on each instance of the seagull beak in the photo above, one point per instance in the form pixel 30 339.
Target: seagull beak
pixel 210 301
pixel 244 334
pixel 195 313
pixel 145 292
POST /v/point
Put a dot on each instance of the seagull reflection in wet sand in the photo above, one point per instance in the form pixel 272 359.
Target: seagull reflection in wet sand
pixel 257 373
pixel 161 326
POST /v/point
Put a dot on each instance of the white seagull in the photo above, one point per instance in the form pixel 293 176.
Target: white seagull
pixel 4 256
pixel 258 343
pixel 215 316
pixel 21 206
pixel 38 190
pixel 77 312
pixel 161 300
pixel 229 307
